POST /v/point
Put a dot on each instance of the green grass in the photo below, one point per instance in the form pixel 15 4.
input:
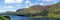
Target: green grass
pixel 3 18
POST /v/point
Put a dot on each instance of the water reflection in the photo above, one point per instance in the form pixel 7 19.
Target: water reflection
pixel 26 18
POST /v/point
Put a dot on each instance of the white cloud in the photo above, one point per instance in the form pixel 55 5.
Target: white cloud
pixel 1 11
pixel 29 5
pixel 26 7
pixel 19 1
pixel 41 4
pixel 27 2
pixel 18 5
pixel 11 10
pixel 13 1
pixel 8 7
pixel 47 0
pixel 9 1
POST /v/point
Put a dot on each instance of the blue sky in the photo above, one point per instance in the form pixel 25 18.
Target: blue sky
pixel 13 5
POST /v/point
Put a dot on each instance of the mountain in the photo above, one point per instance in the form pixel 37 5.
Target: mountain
pixel 34 10
pixel 19 10
pixel 51 11
pixel 55 7
pixel 54 10
pixel 39 7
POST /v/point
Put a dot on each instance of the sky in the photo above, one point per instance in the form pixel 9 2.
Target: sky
pixel 13 5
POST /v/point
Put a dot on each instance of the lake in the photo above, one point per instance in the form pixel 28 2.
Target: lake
pixel 25 18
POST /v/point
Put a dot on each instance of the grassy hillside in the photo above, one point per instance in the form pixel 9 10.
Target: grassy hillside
pixel 51 11
pixel 3 18
pixel 35 10
pixel 54 11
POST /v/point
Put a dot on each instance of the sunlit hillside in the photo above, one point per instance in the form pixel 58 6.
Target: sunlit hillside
pixel 41 10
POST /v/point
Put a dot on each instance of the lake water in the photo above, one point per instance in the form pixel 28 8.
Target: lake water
pixel 25 18
pixel 17 18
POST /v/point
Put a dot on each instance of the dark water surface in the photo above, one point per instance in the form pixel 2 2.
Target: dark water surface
pixel 25 18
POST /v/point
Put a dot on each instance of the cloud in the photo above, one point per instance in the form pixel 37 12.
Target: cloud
pixel 8 7
pixel 18 5
pixel 19 1
pixel 13 1
pixel 9 1
pixel 28 3
pixel 41 4
pixel 7 10
pixel 11 10
pixel 1 11
pixel 27 6
pixel 31 4
pixel 47 0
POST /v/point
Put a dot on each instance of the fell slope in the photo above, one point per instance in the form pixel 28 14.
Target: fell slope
pixel 51 11
pixel 54 11
pixel 35 10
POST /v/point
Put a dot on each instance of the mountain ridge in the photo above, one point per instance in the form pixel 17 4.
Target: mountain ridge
pixel 36 10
